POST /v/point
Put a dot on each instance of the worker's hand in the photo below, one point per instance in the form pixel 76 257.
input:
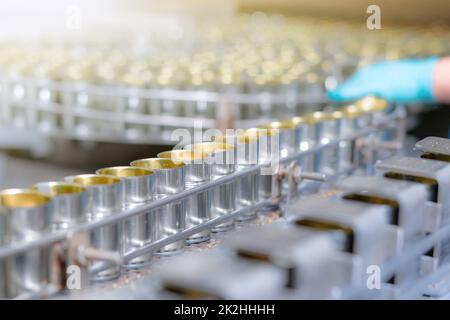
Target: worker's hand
pixel 409 80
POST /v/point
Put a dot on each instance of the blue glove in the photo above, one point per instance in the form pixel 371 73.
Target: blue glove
pixel 409 80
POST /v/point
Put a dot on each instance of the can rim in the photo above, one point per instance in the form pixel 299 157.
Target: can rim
pixel 352 111
pixel 89 180
pixel 371 103
pixel 318 116
pixel 125 171
pixel 238 138
pixel 23 198
pixel 157 164
pixel 57 188
pixel 182 155
pixel 298 120
pixel 288 125
pixel 210 147
pixel 259 132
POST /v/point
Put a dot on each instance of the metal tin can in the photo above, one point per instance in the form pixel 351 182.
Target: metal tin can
pixel 348 156
pixel 198 171
pixel 104 199
pixel 169 219
pixel 373 107
pixel 327 130
pixel 305 139
pixel 246 155
pixel 25 216
pixel 138 189
pixel 69 203
pixel 287 136
pixel 223 197
pixel 268 157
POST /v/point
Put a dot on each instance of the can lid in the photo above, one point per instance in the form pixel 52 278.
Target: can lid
pixel 57 188
pixel 156 163
pixel 125 171
pixel 22 198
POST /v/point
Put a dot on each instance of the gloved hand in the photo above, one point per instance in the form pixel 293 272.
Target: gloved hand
pixel 409 80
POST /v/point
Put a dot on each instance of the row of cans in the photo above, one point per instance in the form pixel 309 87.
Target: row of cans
pixel 81 110
pixel 327 244
pixel 47 207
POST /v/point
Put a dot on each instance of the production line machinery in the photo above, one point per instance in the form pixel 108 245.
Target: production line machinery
pixel 326 245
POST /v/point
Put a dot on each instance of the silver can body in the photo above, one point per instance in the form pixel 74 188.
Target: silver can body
pixel 247 188
pixel 139 230
pixel 170 219
pixel 305 139
pixel 103 201
pixel 198 209
pixel 326 160
pixel 287 140
pixel 223 197
pixel 347 156
pixel 29 271
pixel 268 156
pixel 222 159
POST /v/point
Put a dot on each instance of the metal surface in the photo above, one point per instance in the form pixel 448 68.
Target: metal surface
pixel 434 145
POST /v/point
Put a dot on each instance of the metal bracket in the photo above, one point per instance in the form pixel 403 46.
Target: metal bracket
pixel 433 216
pixel 80 253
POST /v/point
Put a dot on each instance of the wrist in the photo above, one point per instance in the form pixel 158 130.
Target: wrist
pixel 441 80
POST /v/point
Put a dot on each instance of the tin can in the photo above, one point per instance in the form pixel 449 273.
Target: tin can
pixel 69 203
pixel 104 199
pixel 268 157
pixel 138 189
pixel 327 130
pixel 348 157
pixel 223 164
pixel 374 109
pixel 246 156
pixel 169 219
pixel 25 216
pixel 305 139
pixel 287 136
pixel 198 171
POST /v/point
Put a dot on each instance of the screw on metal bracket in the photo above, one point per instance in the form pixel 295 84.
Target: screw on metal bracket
pixel 296 175
pixel 80 253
